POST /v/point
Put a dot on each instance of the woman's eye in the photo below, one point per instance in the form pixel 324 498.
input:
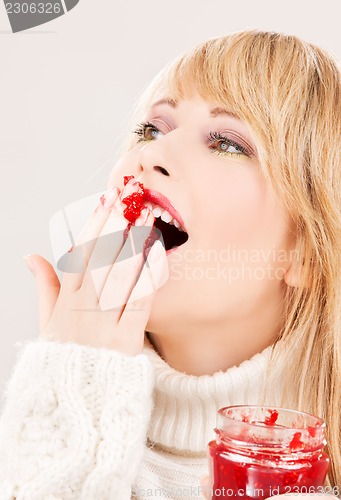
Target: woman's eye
pixel 223 145
pixel 228 148
pixel 147 132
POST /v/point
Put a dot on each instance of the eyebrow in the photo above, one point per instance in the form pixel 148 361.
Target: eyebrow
pixel 171 102
pixel 214 112
pixel 221 111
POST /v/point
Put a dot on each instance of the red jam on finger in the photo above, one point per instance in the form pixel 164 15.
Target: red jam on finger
pixel 134 202
pixel 127 178
pixel 261 452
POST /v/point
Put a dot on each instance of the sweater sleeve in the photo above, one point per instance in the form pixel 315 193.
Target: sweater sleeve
pixel 74 423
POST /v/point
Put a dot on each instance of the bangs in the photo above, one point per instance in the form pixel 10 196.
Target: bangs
pixel 285 90
pixel 225 72
pixel 229 72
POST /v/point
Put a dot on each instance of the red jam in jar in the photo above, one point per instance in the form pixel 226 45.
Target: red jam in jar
pixel 260 452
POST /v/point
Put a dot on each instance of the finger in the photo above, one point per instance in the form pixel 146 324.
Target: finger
pixel 109 245
pixel 154 274
pixel 48 287
pixel 137 310
pixel 114 244
pixel 113 284
pixel 80 255
pixel 204 481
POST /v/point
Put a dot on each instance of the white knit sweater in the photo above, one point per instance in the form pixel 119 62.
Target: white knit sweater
pixel 92 424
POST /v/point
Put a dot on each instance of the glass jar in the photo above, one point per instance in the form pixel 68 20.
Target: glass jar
pixel 261 451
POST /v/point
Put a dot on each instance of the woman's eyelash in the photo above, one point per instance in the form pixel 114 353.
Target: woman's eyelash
pixel 215 137
pixel 142 128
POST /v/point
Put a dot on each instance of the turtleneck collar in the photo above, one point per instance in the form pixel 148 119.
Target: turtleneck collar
pixel 185 406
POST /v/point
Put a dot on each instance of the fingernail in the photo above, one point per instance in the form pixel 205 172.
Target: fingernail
pixel 143 217
pixel 108 199
pixel 29 263
pixel 156 252
pixel 130 188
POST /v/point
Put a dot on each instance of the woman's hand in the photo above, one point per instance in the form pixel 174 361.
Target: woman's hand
pixel 101 306
pixel 205 487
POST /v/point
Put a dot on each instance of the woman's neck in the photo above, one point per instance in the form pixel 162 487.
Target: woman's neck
pixel 193 359
pixel 210 348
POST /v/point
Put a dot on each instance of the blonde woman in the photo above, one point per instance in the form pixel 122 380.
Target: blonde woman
pixel 239 142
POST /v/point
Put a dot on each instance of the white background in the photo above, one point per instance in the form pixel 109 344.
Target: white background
pixel 66 91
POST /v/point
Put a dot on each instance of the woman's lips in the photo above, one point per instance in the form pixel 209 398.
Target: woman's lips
pixel 159 199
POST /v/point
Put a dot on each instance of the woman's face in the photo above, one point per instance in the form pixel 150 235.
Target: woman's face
pixel 204 161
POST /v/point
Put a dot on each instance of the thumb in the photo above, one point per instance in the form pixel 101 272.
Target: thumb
pixel 48 286
pixel 205 487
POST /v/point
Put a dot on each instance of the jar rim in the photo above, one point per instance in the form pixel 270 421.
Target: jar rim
pixel 274 427
pixel 223 412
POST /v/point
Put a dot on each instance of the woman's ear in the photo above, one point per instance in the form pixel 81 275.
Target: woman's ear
pixel 295 275
pixel 292 276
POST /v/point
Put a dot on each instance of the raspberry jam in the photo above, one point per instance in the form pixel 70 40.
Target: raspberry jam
pixel 134 202
pixel 261 452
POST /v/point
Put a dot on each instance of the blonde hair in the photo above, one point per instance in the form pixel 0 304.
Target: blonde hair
pixel 288 91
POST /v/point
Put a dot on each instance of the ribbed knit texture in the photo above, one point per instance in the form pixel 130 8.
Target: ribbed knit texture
pixel 76 421
pixel 184 418
pixel 186 405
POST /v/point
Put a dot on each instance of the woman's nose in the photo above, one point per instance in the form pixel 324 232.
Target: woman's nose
pixel 153 159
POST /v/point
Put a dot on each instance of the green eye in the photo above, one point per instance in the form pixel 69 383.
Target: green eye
pixel 147 132
pixel 223 145
pixel 229 148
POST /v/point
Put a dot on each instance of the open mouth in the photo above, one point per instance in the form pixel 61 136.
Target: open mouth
pixel 168 221
pixel 173 234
